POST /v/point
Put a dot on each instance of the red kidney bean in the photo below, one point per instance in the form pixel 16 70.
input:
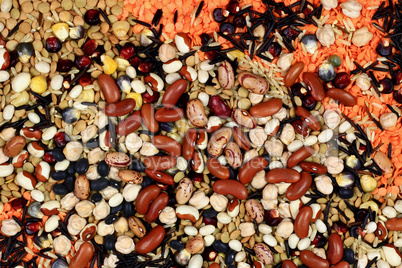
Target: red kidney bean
pixel 335 249
pixel 156 206
pixel 300 155
pixel 151 241
pixel 293 73
pixel 300 127
pixel 381 232
pixel 314 84
pixel 160 176
pixel 278 175
pixel 83 256
pixel 109 88
pixel 342 264
pixel 298 189
pixel 394 224
pixel 120 108
pixel 14 146
pixel 169 115
pixel 253 82
pixel 313 167
pixel 160 162
pixel 252 167
pixel 173 93
pixel 342 96
pixel 313 261
pixel 258 264
pixel 308 118
pixel 216 169
pixel 167 144
pixel 288 264
pixel 148 115
pixel 267 108
pixel 241 139
pixel 231 187
pixel 219 107
pixel 188 143
pixel 145 197
pixel 130 124
pixel 302 221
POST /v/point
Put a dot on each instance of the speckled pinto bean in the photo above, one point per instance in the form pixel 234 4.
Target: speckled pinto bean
pixel 241 139
pixel 83 256
pixel 300 155
pixel 120 108
pixel 288 264
pixel 314 84
pixel 313 261
pixel 160 176
pixel 243 118
pixel 174 92
pixel 188 143
pixel 298 189
pixel 255 210
pixel 148 116
pixel 231 187
pixel 308 118
pixel 313 167
pixel 293 73
pixel 151 241
pixel 196 113
pixel 156 207
pixel 145 197
pixel 267 108
pixel 253 82
pixel 226 75
pixel 233 154
pixel 302 221
pixel 216 169
pixel 218 140
pixel 197 162
pixel 167 144
pixel 278 175
pixel 252 167
pixel 169 115
pixel 109 88
pixel 130 124
pixel 343 96
pixel 335 249
pixel 81 187
pixel 160 162
pixel 394 224
pixel 342 264
pixel 117 159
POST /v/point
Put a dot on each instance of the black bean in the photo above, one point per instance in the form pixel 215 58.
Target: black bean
pixel 59 175
pixel 103 168
pixel 168 127
pixel 176 244
pixel 82 166
pixel 146 181
pixel 345 192
pixel 60 189
pixel 108 242
pixel 115 210
pixel 137 165
pixel 71 168
pixel 96 197
pixel 209 213
pixel 57 153
pixel 111 219
pixel 219 246
pixel 115 184
pixel 99 184
pixel 230 257
pixel 349 255
pixel 69 182
pixel 128 209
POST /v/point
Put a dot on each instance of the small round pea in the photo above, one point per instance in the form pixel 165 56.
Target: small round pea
pixel 335 60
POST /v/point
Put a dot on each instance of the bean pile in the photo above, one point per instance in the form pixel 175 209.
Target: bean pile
pixel 122 150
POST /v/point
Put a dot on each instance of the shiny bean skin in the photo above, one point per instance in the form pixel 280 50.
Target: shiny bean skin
pixel 267 108
pixel 231 187
pixel 167 144
pixel 343 96
pixel 160 176
pixel 288 264
pixel 151 241
pixel 196 113
pixel 394 224
pixel 156 206
pixel 226 75
pixel 313 261
pixel 145 197
pixel 298 189
pixel 173 93
pixel 219 107
pixel 253 82
pixel 278 175
pixel 120 108
pixel 109 88
pixel 130 124
pixel 302 221
pixel 342 264
pixel 148 116
pixel 83 257
pixel 313 167
pixel 14 146
pixel 214 265
pixel 241 139
pixel 293 73
pixel 216 169
pixel 335 249
pixel 300 155
pixel 233 154
pixel 314 84
pixel 218 140
pixel 188 143
pixel 168 115
pixel 308 118
pixel 252 167
pixel 243 118
pixel 197 162
pixel 160 162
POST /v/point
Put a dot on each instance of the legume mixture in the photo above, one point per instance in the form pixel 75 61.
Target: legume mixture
pixel 200 133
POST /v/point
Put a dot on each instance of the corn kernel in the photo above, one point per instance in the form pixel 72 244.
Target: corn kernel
pixel 122 64
pixel 21 99
pixel 138 100
pixel 109 64
pixel 60 30
pixel 38 84
pixel 236 54
pixel 368 183
pixel 120 28
pixel 87 95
